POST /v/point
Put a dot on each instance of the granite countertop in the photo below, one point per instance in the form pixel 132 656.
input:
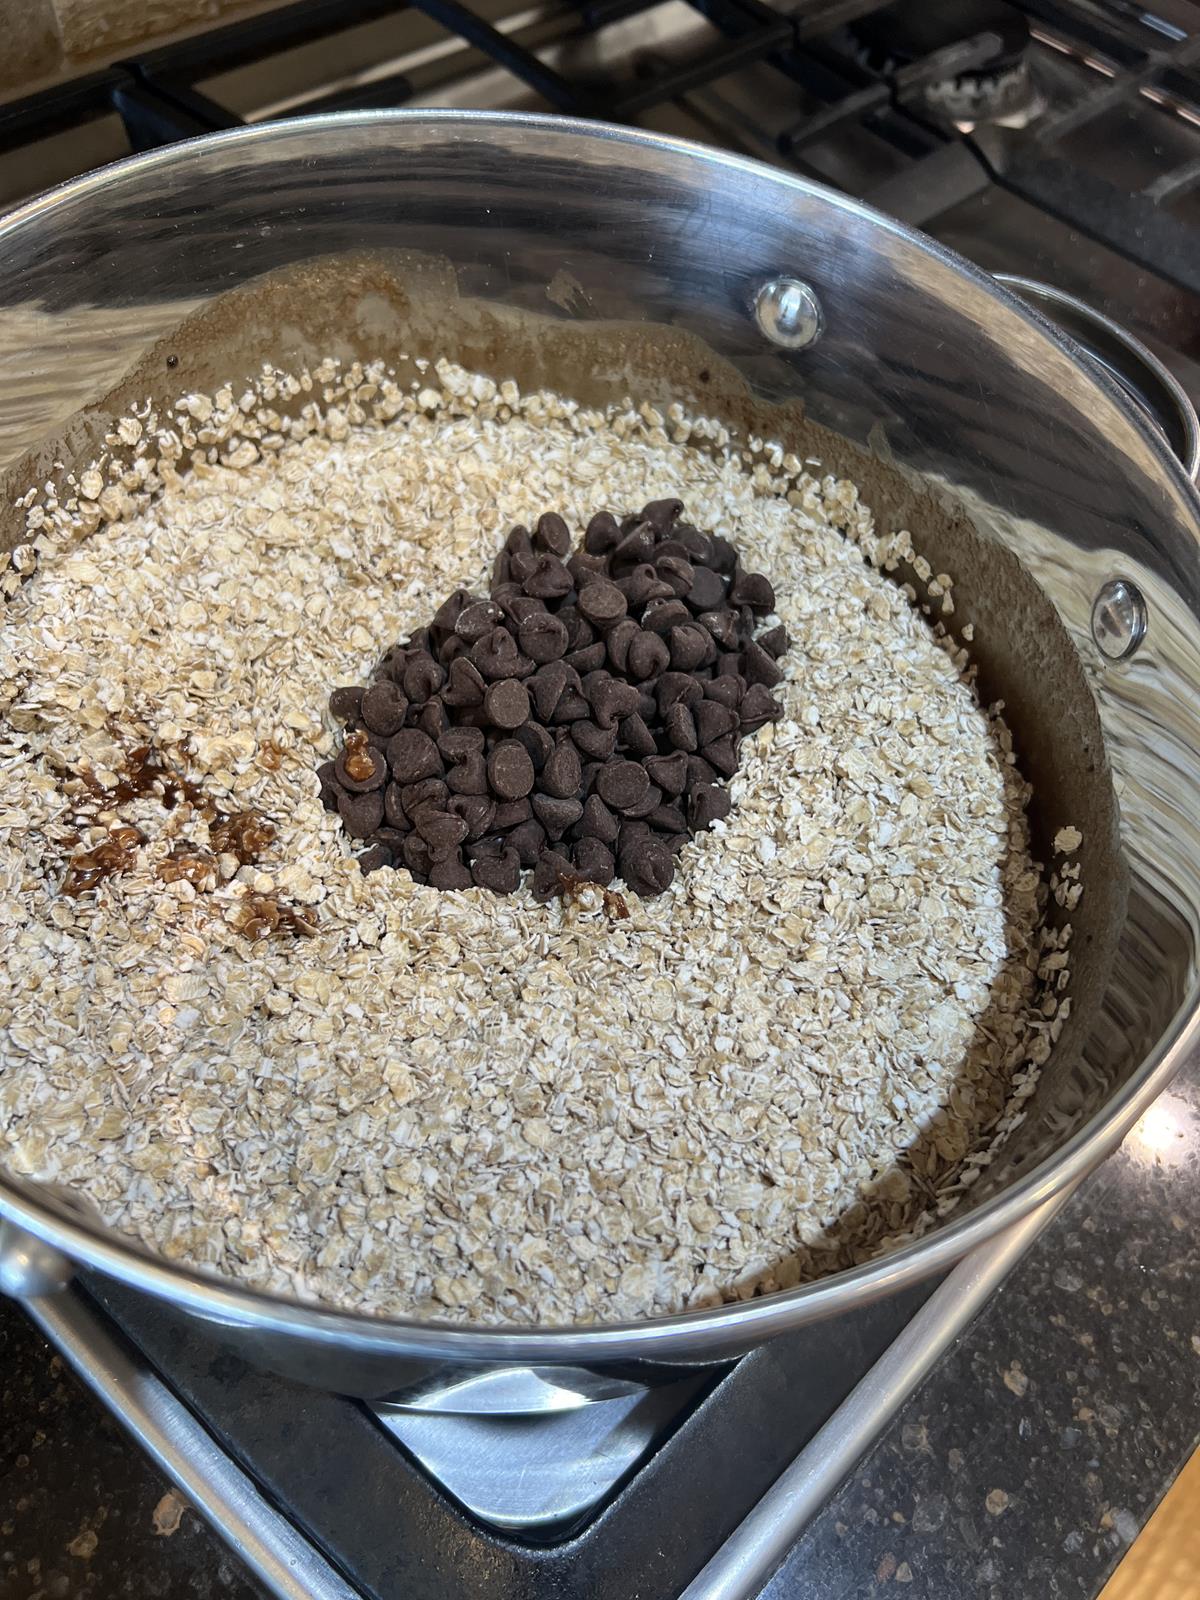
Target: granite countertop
pixel 1022 1469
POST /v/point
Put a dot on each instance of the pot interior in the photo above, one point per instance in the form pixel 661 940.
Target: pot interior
pixel 602 265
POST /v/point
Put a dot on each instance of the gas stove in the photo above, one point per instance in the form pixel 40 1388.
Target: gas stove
pixel 1058 141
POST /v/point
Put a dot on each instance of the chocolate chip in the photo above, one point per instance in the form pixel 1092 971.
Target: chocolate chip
pixel 759 666
pixel 652 798
pixel 618 641
pixel 722 625
pixel 562 773
pixel 433 720
pixel 496 656
pixel 528 839
pixel 441 830
pixel 465 686
pixel 547 687
pixel 549 579
pixel 393 807
pixel 636 546
pixel 593 861
pixel 661 514
pixel 669 772
pixel 708 804
pixel 648 656
pixel 726 691
pixel 346 703
pixel 598 821
pixel 477 811
pixel 374 858
pixel 452 873
pixel 458 743
pixel 643 586
pixel 589 658
pixel 775 641
pixel 758 707
pixel 722 754
pixel 448 613
pixel 543 637
pixel 330 788
pixel 500 873
pixel 423 676
pixel 713 720
pixel 667 819
pixel 522 564
pixel 680 727
pixel 663 615
pixel 361 814
pixel 509 770
pixel 602 603
pixel 647 866
pixel 723 555
pixel 469 776
pixel 552 534
pixel 506 704
pixel 580 632
pixel 598 743
pixel 538 741
pixel 676 573
pixel 345 778
pixel 689 646
pixel 611 700
pixel 699 773
pixel 753 590
pixel 622 783
pixel 556 815
pixel 510 814
pixel 519 541
pixel 636 736
pixel 549 874
pixel 415 853
pixel 425 792
pixel 603 533
pixel 412 755
pixel 677 688
pixel 570 708
pixel 707 591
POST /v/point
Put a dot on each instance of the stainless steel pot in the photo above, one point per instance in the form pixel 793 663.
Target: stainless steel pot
pixel 608 260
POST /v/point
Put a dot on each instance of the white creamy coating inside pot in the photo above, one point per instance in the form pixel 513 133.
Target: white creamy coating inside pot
pixel 455 1104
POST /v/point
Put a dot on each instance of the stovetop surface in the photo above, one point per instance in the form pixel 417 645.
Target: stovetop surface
pixel 1055 140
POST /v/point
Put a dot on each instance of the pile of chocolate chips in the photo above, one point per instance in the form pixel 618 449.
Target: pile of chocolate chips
pixel 582 721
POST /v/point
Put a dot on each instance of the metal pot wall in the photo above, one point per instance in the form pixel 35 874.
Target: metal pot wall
pixel 1024 469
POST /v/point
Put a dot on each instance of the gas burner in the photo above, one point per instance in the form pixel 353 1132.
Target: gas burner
pixel 998 88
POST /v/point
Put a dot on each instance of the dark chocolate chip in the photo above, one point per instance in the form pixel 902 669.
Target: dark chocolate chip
pixel 510 770
pixel 417 859
pixel 663 615
pixel 465 686
pixel 469 776
pixel 361 814
pixel 496 656
pixel 677 573
pixel 598 743
pixel 450 873
pixel 346 703
pixel 580 632
pixel 393 807
pixel 552 534
pixel 441 830
pixel 570 708
pixel 543 637
pixel 458 743
pixel 759 667
pixel 330 788
pixel 726 691
pixel 538 741
pixel 603 533
pixel 589 658
pixel 707 592
pixel 425 792
pixel 680 727
pixel 674 688
pixel 775 641
pixel 423 676
pixel 611 700
pixel 550 873
pixel 667 819
pixel 662 514
pixel 622 783
pixel 511 813
pixel 598 821
pixel 722 754
pixel 669 772
pixel 643 587
pixel 722 555
pixel 754 590
pixel 562 773
pixel 547 687
pixel 699 773
pixel 448 613
pixel 636 546
pixel 519 541
pixel 593 861
pixel 722 625
pixel 549 579
pixel 477 811
pixel 374 857
pixel 707 805
pixel 412 755
pixel 528 839
pixel 506 704
pixel 647 865
pixel 433 720
pixel 713 720
pixel 556 815
pixel 758 706
pixel 649 654
pixel 500 873
pixel 602 603
pixel 375 780
pixel 618 641
pixel 636 737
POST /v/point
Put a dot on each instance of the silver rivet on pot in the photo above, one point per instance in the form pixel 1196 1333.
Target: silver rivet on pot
pixel 789 313
pixel 1118 619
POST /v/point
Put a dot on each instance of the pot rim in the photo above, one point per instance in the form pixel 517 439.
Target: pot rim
pixel 226 1300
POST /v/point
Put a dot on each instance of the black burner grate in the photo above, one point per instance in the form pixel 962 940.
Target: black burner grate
pixel 821 53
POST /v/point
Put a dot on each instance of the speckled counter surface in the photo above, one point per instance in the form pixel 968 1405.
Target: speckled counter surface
pixel 1022 1469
